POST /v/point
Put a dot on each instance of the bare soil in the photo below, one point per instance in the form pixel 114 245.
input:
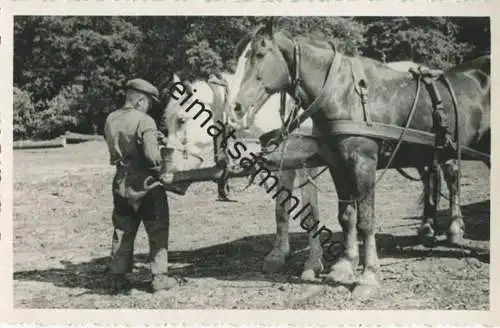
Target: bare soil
pixel 63 229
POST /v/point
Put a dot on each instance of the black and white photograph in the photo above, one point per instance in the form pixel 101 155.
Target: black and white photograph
pixel 251 162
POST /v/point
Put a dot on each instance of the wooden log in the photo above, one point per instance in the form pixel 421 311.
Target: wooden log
pixel 209 173
pixel 72 137
pixel 31 144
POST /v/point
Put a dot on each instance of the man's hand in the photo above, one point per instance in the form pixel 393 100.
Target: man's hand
pixel 162 139
pixel 166 178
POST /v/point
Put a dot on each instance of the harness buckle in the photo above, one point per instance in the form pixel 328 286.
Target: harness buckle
pixel 387 147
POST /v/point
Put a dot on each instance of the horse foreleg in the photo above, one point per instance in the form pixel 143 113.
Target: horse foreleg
pixel 455 231
pixel 276 259
pixel 309 222
pixel 343 270
pixel 365 175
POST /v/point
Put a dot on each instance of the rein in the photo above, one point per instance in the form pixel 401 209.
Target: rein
pixel 286 123
pixel 220 148
pixel 360 87
pixel 294 120
pixel 316 104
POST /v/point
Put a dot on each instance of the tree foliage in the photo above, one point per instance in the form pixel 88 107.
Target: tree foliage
pixel 54 53
pixel 345 33
pixel 23 112
pixel 69 70
pixel 430 40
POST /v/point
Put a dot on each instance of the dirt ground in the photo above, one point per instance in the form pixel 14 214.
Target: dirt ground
pixel 63 229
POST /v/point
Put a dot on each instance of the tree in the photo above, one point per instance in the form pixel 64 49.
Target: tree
pixel 474 31
pixel 191 46
pixel 53 53
pixel 69 70
pixel 23 112
pixel 346 33
pixel 429 40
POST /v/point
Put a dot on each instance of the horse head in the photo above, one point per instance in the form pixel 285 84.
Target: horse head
pixel 264 67
pixel 185 140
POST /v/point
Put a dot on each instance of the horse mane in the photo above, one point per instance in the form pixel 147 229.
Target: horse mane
pixel 242 44
pixel 315 41
pixel 311 41
pixel 246 39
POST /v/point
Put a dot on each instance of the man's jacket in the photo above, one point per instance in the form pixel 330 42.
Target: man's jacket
pixel 131 137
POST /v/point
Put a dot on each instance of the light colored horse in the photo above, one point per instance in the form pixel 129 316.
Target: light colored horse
pixel 184 131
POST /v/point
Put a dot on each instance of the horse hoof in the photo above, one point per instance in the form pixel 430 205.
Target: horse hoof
pixel 455 232
pixel 455 238
pixel 366 284
pixel 341 273
pixel 426 235
pixel 427 241
pixel 308 275
pixel 275 261
pixel 163 283
pixel 363 292
pixel 315 266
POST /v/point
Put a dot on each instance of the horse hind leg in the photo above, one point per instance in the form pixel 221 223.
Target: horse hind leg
pixel 309 222
pixel 276 259
pixel 456 226
pixel 427 229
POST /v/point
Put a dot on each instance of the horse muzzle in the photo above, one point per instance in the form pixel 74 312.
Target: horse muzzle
pixel 179 159
pixel 239 121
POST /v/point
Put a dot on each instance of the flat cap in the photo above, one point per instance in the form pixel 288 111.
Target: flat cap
pixel 144 87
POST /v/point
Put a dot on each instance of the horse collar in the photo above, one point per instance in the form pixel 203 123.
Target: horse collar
pixel 294 123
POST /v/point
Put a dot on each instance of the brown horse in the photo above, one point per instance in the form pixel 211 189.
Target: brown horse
pixel 328 84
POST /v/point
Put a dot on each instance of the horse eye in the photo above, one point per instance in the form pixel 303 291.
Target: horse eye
pixel 260 55
pixel 181 120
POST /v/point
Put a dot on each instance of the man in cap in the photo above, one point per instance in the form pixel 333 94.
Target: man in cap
pixel 131 136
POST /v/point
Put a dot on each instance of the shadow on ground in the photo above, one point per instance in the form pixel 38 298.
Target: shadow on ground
pixel 476 219
pixel 242 259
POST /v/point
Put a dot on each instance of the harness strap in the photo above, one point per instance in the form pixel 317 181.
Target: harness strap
pixel 219 142
pixel 295 83
pixel 360 86
pixel 407 175
pixel 218 152
pixel 283 107
pixel 442 137
pixel 386 131
pixel 440 118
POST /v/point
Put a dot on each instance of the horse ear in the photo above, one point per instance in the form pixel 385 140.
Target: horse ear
pixel 269 28
pixel 242 44
pixel 176 78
